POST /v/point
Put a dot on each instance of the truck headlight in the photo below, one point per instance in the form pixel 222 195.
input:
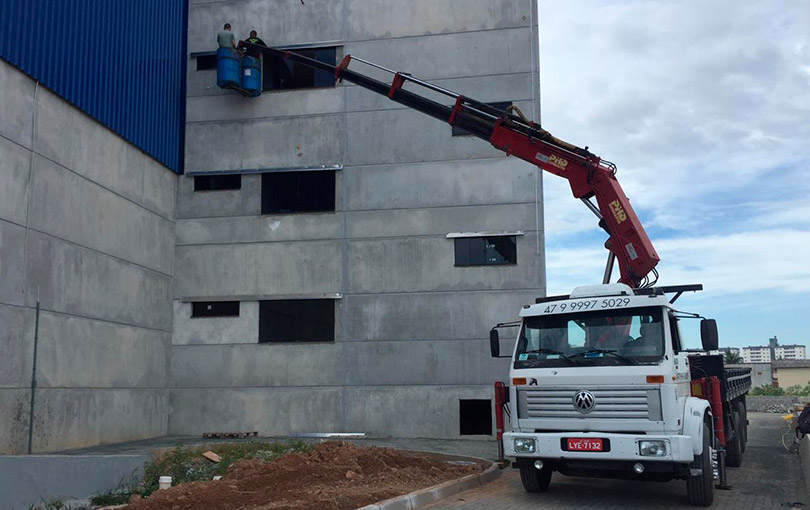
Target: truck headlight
pixel 525 445
pixel 652 448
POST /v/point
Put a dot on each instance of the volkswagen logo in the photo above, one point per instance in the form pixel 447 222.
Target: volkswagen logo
pixel 584 401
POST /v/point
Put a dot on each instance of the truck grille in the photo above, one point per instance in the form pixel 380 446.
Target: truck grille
pixel 613 403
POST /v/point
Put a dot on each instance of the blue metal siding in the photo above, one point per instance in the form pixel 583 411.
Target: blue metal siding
pixel 120 61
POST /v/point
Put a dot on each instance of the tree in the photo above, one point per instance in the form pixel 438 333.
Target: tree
pixel 731 357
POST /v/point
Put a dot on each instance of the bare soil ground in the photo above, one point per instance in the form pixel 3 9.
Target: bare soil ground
pixel 333 476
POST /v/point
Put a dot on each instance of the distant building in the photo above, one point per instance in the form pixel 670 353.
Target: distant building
pixel 772 352
pixel 723 350
pixel 758 354
pixel 791 372
pixel 790 352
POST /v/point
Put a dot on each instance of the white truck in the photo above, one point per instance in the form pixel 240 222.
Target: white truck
pixel 602 386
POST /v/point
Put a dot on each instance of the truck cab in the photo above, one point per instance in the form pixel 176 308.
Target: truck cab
pixel 601 386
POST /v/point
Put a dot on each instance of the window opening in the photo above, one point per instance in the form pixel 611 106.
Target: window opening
pixel 297 320
pixel 486 251
pixel 281 74
pixel 217 182
pixel 215 309
pixel 294 192
pixel 475 417
pixel 206 62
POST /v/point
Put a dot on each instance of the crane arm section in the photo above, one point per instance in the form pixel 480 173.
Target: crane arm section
pixel 509 131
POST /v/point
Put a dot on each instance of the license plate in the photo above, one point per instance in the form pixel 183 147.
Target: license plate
pixel 584 445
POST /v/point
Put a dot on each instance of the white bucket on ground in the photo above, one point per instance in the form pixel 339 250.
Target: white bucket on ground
pixel 164 482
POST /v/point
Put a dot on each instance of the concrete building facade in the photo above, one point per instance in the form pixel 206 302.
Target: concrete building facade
pixel 773 352
pixel 406 352
pixel 790 352
pixel 165 300
pixel 87 230
pixel 756 354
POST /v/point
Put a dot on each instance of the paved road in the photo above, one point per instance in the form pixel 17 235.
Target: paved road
pixel 770 478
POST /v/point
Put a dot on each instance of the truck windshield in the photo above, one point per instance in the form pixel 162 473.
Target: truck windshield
pixel 606 337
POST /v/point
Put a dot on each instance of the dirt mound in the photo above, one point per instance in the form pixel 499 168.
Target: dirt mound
pixel 333 476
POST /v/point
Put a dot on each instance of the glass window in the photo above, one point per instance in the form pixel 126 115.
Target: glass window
pixel 630 336
pixel 486 251
pixel 292 192
pixel 282 74
pixel 297 320
pixel 217 182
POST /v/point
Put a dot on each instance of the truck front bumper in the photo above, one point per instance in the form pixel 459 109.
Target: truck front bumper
pixel 616 446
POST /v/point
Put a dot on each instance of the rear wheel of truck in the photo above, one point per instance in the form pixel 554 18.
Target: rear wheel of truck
pixel 734 445
pixel 700 487
pixel 739 406
pixel 533 479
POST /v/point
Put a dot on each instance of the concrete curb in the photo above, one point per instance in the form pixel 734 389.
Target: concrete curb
pixel 424 497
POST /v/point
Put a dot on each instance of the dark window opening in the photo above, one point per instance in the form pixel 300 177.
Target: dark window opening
pixel 297 320
pixel 215 309
pixel 206 62
pixel 475 417
pixel 217 182
pixel 291 192
pixel 281 74
pixel 486 251
pixel 501 105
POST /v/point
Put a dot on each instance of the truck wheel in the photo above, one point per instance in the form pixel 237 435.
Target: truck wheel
pixel 533 479
pixel 700 488
pixel 739 406
pixel 734 445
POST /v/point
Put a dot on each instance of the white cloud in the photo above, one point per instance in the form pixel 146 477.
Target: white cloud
pixel 564 215
pixel 695 101
pixel 705 108
pixel 742 262
pixel 785 213
pixel 724 264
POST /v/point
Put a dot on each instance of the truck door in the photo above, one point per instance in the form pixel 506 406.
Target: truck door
pixel 675 333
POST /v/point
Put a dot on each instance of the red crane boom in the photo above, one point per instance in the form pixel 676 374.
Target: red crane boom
pixel 509 131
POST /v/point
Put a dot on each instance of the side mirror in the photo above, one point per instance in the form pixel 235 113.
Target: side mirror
pixel 708 334
pixel 494 343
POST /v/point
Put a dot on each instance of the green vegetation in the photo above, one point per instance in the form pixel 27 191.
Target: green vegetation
pixel 185 464
pixel 732 358
pixel 52 505
pixel 792 391
pixel 117 496
pixel 767 391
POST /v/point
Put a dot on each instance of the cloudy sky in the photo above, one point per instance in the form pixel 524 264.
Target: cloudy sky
pixel 705 108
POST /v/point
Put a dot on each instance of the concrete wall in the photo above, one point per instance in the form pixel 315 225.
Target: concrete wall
pixel 761 374
pixel 28 480
pixel 87 227
pixel 411 329
pixel 766 404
